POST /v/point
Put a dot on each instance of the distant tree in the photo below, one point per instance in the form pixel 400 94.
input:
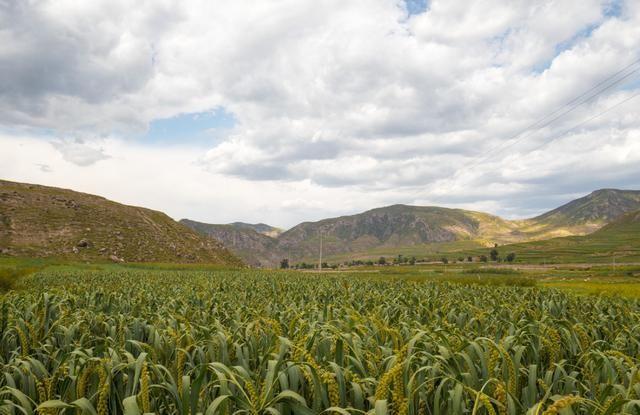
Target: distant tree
pixel 483 258
pixel 284 264
pixel 412 261
pixel 382 261
pixel 469 259
pixel 444 260
pixel 461 259
pixel 494 254
pixel 495 245
pixel 511 257
pixel 324 265
pixel 369 263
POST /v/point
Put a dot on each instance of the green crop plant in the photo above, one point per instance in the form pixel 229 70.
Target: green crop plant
pixel 121 341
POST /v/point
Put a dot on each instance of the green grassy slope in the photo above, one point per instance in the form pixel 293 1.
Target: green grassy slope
pixel 41 221
pixel 422 252
pixel 620 240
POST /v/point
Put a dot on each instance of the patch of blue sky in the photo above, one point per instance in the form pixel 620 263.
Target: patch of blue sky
pixel 202 128
pixel 632 83
pixel 37 132
pixel 613 8
pixel 567 44
pixel 416 6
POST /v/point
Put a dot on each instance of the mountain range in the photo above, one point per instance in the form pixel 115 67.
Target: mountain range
pixel 46 221
pixel 416 230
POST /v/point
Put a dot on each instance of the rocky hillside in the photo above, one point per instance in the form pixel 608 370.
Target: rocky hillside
pixel 402 229
pixel 254 247
pixel 627 224
pixel 589 213
pixel 41 221
pixel 392 226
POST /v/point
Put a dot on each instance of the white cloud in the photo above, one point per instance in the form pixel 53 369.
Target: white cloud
pixel 79 152
pixel 352 104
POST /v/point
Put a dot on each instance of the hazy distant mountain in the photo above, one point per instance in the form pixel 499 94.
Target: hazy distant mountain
pixel 254 247
pixel 41 221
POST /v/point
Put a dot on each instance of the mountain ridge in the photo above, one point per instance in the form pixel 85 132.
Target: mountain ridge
pixel 396 226
pixel 47 221
pixel 602 204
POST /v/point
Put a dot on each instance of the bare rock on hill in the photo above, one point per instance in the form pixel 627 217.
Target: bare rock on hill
pixel 114 258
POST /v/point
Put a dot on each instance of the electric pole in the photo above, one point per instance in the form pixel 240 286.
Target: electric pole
pixel 320 260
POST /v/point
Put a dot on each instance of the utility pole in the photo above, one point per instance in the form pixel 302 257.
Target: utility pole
pixel 320 260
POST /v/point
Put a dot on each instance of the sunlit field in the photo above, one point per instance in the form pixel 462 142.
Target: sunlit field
pixel 113 339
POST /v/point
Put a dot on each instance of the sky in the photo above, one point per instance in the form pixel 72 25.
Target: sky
pixel 283 111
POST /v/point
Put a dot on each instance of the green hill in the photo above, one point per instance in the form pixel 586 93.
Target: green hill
pixel 618 241
pixel 41 221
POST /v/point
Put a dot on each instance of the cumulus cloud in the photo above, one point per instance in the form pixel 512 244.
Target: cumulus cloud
pixel 79 152
pixel 386 96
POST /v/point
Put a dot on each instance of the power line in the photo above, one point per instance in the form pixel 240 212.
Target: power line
pixel 585 122
pixel 604 80
pixel 487 155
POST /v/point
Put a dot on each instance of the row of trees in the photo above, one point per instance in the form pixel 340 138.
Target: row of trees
pixel 494 255
pixel 284 264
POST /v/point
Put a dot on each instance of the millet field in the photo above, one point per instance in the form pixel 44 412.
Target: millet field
pixel 133 341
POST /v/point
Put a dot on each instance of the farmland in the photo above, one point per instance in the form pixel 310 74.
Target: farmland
pixel 429 340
